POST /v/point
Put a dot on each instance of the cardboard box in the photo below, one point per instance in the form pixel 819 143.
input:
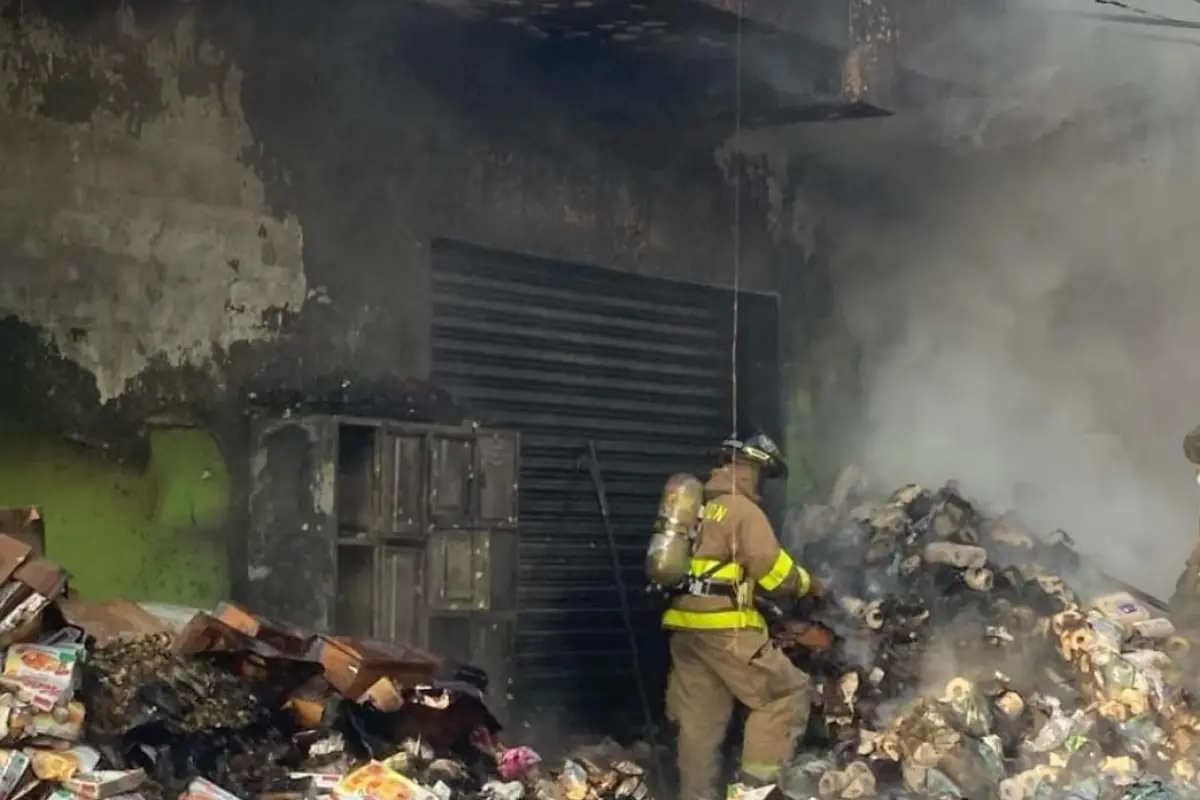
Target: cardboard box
pixel 24 622
pixel 201 789
pixel 383 695
pixel 312 704
pixel 353 666
pixel 25 592
pixel 13 553
pixel 43 576
pixel 108 621
pixel 375 781
pixel 26 526
pixel 32 692
pixel 104 783
pixel 284 638
pixel 58 666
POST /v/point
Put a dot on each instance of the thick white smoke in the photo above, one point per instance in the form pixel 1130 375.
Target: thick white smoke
pixel 1031 314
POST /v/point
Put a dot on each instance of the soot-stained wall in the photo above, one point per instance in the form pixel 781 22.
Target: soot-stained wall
pixel 204 199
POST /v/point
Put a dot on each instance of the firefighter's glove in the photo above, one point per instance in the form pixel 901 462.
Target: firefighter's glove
pixel 813 589
pixel 818 597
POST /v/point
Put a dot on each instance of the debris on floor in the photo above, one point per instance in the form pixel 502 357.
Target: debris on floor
pixel 971 658
pixel 108 702
pixel 956 654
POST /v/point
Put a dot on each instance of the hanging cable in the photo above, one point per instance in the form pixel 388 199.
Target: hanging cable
pixel 737 217
pixel 737 268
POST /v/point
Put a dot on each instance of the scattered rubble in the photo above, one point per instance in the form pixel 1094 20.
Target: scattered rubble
pixel 107 702
pixel 956 655
pixel 973 659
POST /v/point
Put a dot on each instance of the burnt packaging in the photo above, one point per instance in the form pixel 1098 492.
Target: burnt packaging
pixel 965 664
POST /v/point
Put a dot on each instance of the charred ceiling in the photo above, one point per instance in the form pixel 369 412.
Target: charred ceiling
pixel 685 66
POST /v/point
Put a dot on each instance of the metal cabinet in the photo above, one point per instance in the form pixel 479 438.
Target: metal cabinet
pixel 400 532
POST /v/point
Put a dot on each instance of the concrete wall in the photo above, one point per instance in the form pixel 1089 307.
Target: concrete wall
pixel 200 201
pixel 132 234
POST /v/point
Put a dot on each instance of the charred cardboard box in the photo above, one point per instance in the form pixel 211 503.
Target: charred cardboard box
pixel 28 585
pixel 287 639
pixel 109 620
pixel 26 525
pixel 272 671
pixel 353 666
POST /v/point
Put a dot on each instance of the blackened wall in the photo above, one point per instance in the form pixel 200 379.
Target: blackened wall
pixel 205 201
pixel 237 194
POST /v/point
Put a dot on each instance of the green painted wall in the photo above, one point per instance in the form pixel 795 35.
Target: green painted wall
pixel 146 535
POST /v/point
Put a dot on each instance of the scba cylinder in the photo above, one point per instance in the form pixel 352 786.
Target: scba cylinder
pixel 670 549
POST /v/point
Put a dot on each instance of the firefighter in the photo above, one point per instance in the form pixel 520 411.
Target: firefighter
pixel 720 650
pixel 1185 603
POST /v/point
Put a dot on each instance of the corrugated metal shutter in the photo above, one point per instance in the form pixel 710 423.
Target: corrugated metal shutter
pixel 566 354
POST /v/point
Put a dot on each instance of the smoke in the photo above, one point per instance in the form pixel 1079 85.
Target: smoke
pixel 1029 316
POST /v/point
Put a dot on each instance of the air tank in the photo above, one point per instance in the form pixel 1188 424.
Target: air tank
pixel 670 551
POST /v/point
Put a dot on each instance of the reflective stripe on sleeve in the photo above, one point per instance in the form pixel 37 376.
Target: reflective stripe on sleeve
pixel 778 573
pixel 713 620
pixel 803 581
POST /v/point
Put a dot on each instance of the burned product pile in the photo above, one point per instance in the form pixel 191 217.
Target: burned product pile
pixel 110 702
pixel 966 666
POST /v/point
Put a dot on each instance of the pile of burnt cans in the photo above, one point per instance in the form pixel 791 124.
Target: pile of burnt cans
pixel 975 659
pixel 110 702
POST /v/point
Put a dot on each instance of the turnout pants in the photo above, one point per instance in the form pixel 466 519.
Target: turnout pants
pixel 709 671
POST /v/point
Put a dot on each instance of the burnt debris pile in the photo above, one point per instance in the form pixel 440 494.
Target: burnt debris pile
pixel 111 702
pixel 974 659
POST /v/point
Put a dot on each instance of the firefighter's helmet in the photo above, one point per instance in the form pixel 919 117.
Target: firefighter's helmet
pixel 760 449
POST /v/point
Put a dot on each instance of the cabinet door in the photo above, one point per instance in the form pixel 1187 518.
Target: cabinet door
pixel 399 605
pixel 496 476
pixel 402 479
pixel 451 481
pixel 291 544
pixel 459 567
pixel 492 650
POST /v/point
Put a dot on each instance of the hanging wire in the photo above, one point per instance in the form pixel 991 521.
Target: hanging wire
pixel 737 270
pixel 737 218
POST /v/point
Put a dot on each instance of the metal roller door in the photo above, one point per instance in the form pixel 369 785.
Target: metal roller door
pixel 567 354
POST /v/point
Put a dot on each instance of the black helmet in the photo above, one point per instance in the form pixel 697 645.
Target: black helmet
pixel 760 449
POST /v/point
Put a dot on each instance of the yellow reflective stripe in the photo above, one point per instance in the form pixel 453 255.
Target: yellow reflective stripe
pixel 701 566
pixel 803 581
pixel 761 770
pixel 713 620
pixel 778 572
